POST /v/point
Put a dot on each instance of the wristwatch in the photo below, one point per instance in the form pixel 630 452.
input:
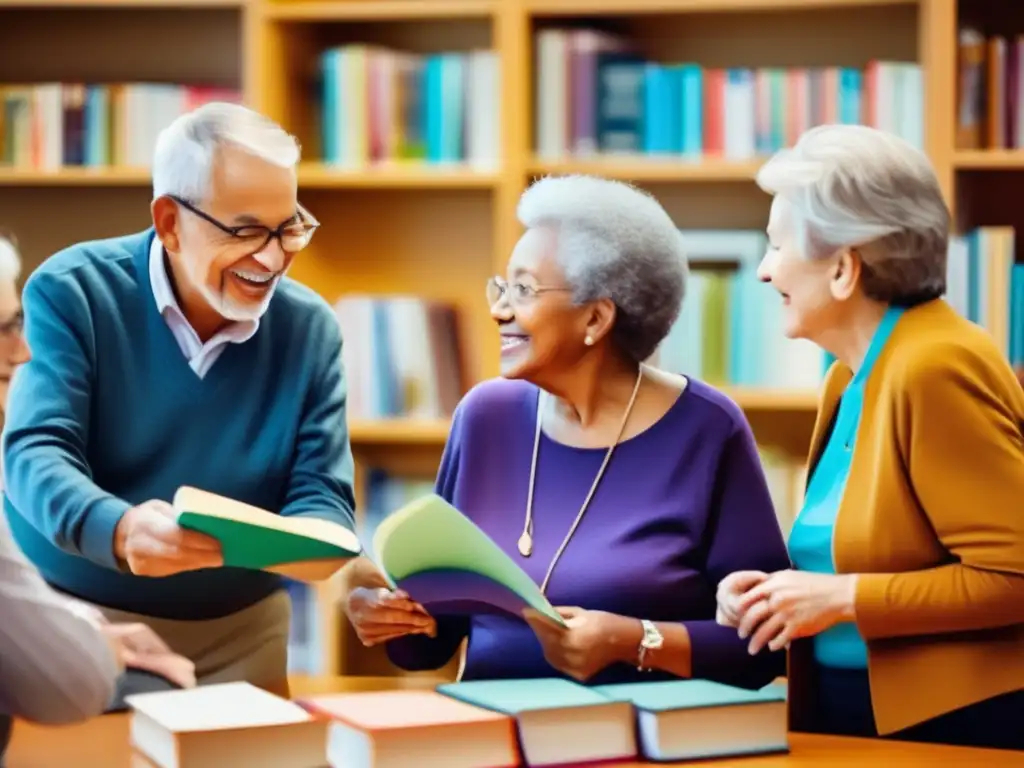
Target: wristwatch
pixel 651 641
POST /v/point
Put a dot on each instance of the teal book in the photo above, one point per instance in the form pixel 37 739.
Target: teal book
pixel 558 722
pixel 699 719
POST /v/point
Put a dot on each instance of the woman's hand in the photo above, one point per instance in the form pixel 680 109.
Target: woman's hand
pixel 589 641
pixel 730 592
pixel 792 604
pixel 379 615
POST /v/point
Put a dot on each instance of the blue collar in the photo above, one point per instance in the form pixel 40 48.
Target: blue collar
pixel 882 334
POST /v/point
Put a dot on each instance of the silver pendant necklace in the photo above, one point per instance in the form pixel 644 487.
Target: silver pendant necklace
pixel 526 539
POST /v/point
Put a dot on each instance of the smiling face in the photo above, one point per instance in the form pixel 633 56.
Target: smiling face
pixel 806 285
pixel 232 276
pixel 542 331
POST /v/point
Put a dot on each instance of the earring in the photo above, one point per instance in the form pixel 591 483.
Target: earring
pixel 588 341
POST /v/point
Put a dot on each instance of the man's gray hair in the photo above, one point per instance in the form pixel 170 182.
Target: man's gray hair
pixel 187 149
pixel 10 259
pixel 852 186
pixel 614 241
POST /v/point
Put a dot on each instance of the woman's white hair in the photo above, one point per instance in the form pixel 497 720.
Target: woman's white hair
pixel 10 259
pixel 852 186
pixel 614 241
pixel 187 149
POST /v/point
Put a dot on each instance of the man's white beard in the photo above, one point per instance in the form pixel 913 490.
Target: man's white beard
pixel 228 309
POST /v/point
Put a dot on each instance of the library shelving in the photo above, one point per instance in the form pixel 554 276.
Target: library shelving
pixel 430 212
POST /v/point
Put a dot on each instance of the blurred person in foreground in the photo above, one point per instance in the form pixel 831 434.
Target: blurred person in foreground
pixel 626 492
pixel 182 355
pixel 60 661
pixel 904 610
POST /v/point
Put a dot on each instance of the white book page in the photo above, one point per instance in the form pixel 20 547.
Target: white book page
pixel 217 707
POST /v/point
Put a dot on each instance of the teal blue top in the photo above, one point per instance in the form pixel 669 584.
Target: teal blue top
pixel 810 541
pixel 108 414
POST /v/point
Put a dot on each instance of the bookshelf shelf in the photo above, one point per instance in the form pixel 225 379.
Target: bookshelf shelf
pixel 122 4
pixel 989 159
pixel 399 432
pixel 320 176
pixel 75 177
pixel 378 10
pixel 634 7
pixel 655 169
pixel 753 400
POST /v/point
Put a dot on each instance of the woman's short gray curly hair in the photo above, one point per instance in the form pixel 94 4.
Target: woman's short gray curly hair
pixel 614 241
pixel 856 186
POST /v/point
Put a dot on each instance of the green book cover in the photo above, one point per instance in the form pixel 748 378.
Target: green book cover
pixel 257 539
pixel 443 560
pixel 512 697
pixel 669 695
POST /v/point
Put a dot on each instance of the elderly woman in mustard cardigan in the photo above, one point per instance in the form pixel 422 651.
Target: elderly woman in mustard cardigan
pixel 905 602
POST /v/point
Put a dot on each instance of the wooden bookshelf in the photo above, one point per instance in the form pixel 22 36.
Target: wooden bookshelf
pixel 440 232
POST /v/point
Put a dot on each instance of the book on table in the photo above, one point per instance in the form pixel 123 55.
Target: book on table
pixel 701 719
pixel 303 548
pixel 405 728
pixel 559 722
pixel 445 562
pixel 228 724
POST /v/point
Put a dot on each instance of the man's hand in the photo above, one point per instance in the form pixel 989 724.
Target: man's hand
pixel 149 539
pixel 140 647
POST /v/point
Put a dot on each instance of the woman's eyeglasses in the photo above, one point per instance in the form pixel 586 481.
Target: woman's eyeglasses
pixel 517 293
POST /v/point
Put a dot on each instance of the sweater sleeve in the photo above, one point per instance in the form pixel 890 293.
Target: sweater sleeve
pixel 744 535
pixel 418 652
pixel 961 415
pixel 321 483
pixel 57 665
pixel 48 480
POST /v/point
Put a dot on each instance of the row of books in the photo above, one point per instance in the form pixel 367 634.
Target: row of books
pixel 730 328
pixel 380 106
pixel 47 126
pixel 729 331
pixel 990 109
pixel 402 356
pixel 473 724
pixel 596 94
pixel 986 286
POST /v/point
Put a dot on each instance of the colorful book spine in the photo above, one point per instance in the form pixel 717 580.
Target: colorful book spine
pixel 381 106
pixel 51 126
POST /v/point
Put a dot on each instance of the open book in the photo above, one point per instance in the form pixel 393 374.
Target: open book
pixel 447 564
pixel 303 548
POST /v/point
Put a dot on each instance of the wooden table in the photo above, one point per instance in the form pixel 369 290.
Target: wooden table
pixel 103 742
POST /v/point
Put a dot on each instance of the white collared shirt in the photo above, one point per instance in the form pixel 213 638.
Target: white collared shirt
pixel 200 356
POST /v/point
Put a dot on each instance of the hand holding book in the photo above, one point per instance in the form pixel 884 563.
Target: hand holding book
pixel 302 548
pixel 379 615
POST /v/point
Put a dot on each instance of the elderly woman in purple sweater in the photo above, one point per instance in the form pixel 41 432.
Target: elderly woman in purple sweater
pixel 626 492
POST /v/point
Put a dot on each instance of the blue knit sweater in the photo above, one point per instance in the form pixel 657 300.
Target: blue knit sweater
pixel 109 414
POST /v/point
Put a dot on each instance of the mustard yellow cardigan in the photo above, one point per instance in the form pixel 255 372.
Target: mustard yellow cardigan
pixel 933 521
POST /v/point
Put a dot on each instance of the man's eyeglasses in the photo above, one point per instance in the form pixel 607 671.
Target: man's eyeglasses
pixel 293 235
pixel 499 288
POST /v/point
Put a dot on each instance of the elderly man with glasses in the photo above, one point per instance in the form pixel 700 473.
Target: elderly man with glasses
pixel 182 355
